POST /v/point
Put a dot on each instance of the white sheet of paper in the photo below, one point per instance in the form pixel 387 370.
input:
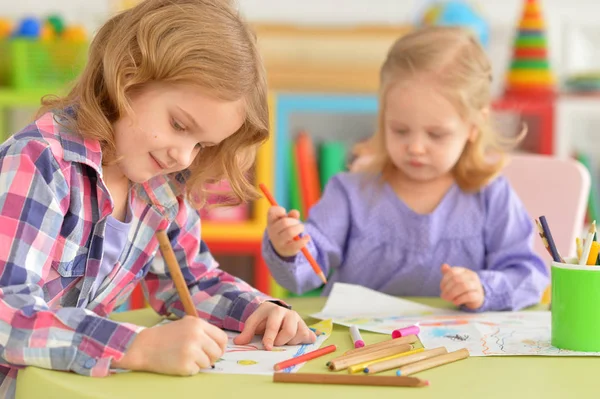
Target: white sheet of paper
pixel 525 333
pixel 370 310
pixel 252 358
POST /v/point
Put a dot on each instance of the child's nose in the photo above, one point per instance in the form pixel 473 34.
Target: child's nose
pixel 416 146
pixel 182 155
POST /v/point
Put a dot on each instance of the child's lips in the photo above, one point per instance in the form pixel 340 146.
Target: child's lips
pixel 415 163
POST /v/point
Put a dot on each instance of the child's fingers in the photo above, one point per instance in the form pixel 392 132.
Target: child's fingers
pixel 287 331
pixel 294 214
pixel 285 223
pixel 446 268
pixel 275 213
pixel 295 246
pixel 451 277
pixel 290 233
pixel 458 289
pixel 272 328
pixel 250 328
pixel 470 299
pixel 303 335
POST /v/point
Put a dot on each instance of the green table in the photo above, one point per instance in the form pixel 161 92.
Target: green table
pixel 476 377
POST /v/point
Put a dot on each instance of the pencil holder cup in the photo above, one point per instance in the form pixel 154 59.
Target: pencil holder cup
pixel 576 307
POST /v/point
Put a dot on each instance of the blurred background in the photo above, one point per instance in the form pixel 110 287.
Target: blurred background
pixel 322 59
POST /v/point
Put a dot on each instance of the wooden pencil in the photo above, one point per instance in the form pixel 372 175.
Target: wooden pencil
pixel 409 339
pixel 342 364
pixel 313 263
pixel 401 361
pixel 175 272
pixel 346 379
pixel 433 362
pixel 359 368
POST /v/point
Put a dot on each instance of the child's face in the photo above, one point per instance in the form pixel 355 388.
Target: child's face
pixel 424 134
pixel 169 127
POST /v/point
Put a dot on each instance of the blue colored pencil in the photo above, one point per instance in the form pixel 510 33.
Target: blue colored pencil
pixel 547 236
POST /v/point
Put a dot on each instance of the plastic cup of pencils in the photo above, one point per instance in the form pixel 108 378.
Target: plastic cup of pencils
pixel 576 307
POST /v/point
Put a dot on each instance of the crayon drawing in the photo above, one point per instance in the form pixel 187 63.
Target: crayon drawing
pixel 483 334
pixel 252 358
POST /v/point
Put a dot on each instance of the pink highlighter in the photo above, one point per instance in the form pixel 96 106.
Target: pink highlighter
pixel 403 332
pixel 356 338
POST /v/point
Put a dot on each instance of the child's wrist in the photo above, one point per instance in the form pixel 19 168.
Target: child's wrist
pixel 133 359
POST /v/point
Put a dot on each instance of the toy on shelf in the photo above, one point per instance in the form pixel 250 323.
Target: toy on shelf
pixel 457 13
pixel 41 54
pixel 530 72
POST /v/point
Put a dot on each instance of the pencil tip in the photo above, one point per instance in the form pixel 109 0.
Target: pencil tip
pixel 366 371
pixel 398 373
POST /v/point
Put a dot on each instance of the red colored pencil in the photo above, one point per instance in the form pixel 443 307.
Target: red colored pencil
pixel 307 254
pixel 304 358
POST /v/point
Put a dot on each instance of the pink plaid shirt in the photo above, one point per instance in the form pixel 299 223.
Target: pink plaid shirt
pixel 53 210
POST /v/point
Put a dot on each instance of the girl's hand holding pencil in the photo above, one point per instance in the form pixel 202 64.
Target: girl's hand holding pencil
pixel 282 228
pixel 182 347
pixel 285 229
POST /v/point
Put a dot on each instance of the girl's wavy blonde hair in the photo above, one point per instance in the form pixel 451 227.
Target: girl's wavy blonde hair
pixel 204 43
pixel 454 61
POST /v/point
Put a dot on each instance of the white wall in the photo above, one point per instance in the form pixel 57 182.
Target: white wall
pixel 501 14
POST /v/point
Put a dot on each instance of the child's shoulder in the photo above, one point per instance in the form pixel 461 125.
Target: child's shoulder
pixel 497 186
pixel 47 134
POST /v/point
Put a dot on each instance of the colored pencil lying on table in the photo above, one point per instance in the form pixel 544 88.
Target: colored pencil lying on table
pixel 359 368
pixel 341 364
pixel 309 257
pixel 409 339
pixel 331 378
pixel 304 358
pixel 433 362
pixel 401 361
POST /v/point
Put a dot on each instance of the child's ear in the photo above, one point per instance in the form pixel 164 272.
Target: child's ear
pixel 483 116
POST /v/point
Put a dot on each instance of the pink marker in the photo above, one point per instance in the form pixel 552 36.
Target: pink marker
pixel 403 332
pixel 356 338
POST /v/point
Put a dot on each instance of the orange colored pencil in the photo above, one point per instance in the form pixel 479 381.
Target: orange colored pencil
pixel 176 275
pixel 304 358
pixel 307 254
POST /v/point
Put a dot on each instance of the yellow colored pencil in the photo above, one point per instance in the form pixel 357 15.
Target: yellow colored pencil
pixel 593 256
pixel 359 368
pixel 588 244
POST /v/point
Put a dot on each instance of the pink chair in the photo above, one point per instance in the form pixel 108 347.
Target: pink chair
pixel 556 188
pixel 553 187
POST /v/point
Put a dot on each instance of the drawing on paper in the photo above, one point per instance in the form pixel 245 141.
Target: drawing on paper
pixel 252 358
pixel 483 334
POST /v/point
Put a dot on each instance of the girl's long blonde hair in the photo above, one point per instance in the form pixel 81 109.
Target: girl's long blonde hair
pixel 204 43
pixel 453 59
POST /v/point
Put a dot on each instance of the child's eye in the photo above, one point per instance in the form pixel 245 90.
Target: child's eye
pixel 436 136
pixel 177 126
pixel 401 132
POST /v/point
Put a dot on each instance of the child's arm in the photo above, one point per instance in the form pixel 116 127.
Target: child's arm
pixel 34 197
pixel 221 299
pixel 515 276
pixel 328 227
